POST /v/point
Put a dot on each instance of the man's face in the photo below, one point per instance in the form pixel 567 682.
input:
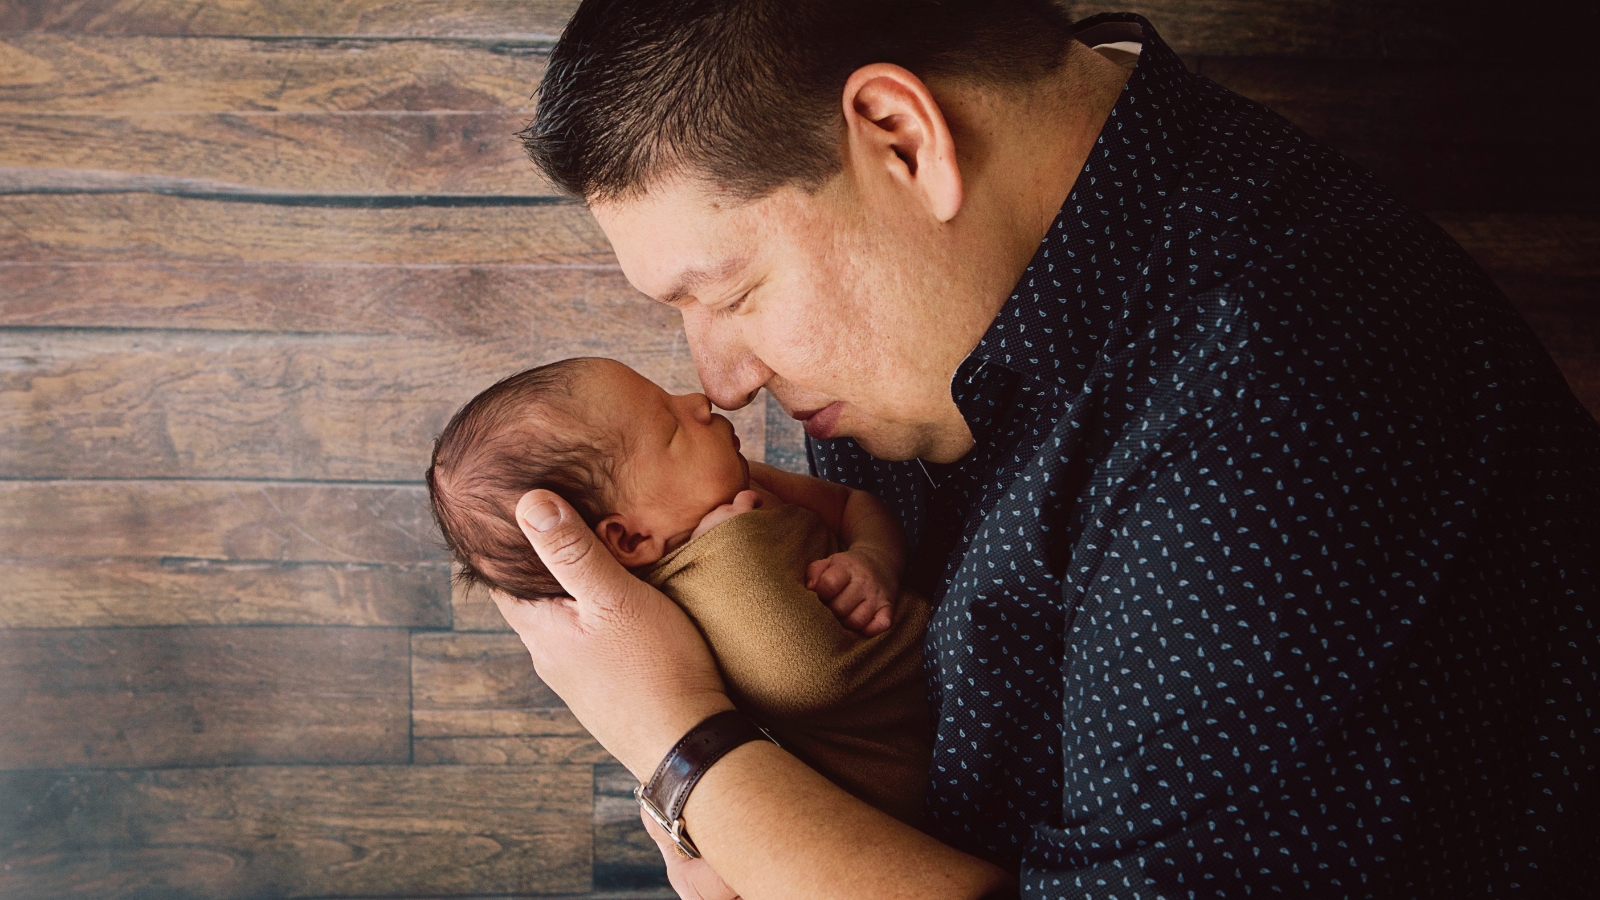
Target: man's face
pixel 830 300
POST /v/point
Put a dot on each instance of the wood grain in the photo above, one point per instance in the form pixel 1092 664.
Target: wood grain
pixel 415 18
pixel 1506 244
pixel 591 305
pixel 1583 376
pixel 321 407
pixel 267 831
pixel 1234 27
pixel 328 153
pixel 176 696
pixel 1251 27
pixel 476 700
pixel 41 521
pixel 452 671
pixel 625 857
pixel 85 593
pixel 148 228
pixel 1485 134
pixel 1351 28
pixel 472 609
pixel 1563 312
pixel 42 73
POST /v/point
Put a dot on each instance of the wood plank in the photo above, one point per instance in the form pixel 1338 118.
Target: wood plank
pixel 464 303
pixel 786 439
pixel 177 696
pixel 625 856
pixel 94 593
pixel 1489 134
pixel 1528 244
pixel 1563 312
pixel 1583 376
pixel 147 228
pixel 472 609
pixel 84 404
pixel 1234 27
pixel 330 153
pixel 1350 28
pixel 1254 27
pixel 42 521
pixel 452 671
pixel 300 831
pixel 417 18
pixel 42 73
pixel 1498 100
pixel 476 700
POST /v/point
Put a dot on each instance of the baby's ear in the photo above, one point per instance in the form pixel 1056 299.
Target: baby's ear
pixel 629 545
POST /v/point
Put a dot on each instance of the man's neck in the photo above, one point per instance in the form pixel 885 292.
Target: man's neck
pixel 1050 128
pixel 1021 150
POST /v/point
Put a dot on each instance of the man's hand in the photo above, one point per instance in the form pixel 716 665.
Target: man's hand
pixel 859 587
pixel 693 879
pixel 627 661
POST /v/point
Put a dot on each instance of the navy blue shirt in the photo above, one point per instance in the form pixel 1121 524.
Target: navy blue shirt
pixel 1274 566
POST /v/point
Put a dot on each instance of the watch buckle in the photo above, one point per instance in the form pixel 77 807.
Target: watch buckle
pixel 674 829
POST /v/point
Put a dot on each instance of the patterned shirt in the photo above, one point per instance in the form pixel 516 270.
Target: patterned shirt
pixel 1274 565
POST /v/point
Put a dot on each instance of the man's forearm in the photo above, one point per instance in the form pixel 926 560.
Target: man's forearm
pixel 775 829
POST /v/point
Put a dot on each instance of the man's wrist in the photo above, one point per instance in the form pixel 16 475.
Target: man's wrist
pixel 669 727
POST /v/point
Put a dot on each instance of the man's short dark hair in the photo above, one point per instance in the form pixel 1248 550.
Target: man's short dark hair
pixel 745 94
pixel 519 435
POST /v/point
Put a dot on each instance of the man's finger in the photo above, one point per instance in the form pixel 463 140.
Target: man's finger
pixel 570 549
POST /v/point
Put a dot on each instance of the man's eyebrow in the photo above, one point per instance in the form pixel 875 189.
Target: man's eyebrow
pixel 694 279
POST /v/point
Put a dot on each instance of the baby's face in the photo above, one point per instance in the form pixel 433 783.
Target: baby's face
pixel 681 460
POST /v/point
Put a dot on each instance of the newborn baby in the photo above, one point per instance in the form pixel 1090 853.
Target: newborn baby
pixel 792 580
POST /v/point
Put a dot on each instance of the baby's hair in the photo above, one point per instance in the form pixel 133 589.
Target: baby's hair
pixel 519 435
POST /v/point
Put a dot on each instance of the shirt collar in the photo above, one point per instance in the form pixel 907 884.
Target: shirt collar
pixel 1062 310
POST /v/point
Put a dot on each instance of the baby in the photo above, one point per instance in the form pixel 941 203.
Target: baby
pixel 794 581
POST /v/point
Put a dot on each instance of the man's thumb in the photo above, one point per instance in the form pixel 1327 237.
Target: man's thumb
pixel 569 548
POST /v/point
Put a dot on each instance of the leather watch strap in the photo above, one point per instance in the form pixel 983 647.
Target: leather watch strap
pixel 664 795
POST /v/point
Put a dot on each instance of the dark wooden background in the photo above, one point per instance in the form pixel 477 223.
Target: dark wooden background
pixel 252 255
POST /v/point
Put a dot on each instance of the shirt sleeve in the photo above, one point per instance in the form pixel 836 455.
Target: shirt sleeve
pixel 1232 599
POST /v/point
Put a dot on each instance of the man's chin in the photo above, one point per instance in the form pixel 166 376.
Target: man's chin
pixel 889 446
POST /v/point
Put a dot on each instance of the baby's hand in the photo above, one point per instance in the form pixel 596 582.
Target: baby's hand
pixel 743 502
pixel 859 589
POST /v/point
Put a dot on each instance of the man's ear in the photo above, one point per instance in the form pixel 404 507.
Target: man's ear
pixel 631 546
pixel 893 124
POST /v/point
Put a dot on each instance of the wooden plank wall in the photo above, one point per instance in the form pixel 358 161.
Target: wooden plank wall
pixel 252 255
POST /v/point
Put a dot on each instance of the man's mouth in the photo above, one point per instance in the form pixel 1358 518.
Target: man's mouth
pixel 820 423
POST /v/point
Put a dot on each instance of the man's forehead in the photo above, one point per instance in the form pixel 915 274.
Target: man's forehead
pixel 671 243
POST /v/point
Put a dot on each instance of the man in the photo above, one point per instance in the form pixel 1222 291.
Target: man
pixel 1261 531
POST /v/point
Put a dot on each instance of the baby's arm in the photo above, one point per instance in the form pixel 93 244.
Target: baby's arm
pixel 862 583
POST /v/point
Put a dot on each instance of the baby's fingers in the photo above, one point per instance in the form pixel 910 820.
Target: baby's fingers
pixel 829 581
pixel 863 611
pixel 848 601
pixel 880 621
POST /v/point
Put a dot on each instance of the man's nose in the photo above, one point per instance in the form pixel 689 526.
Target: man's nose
pixel 729 372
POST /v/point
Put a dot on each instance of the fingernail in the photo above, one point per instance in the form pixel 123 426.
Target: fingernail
pixel 544 516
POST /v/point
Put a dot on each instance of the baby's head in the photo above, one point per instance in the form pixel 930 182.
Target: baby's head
pixel 641 466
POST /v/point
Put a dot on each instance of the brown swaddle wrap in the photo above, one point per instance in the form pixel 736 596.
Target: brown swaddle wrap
pixel 853 708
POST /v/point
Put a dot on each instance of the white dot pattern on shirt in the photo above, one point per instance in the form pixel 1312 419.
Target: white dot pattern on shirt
pixel 1301 636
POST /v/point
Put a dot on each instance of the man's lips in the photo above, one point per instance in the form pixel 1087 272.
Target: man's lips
pixel 820 423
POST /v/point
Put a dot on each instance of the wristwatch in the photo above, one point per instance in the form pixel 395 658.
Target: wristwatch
pixel 663 796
